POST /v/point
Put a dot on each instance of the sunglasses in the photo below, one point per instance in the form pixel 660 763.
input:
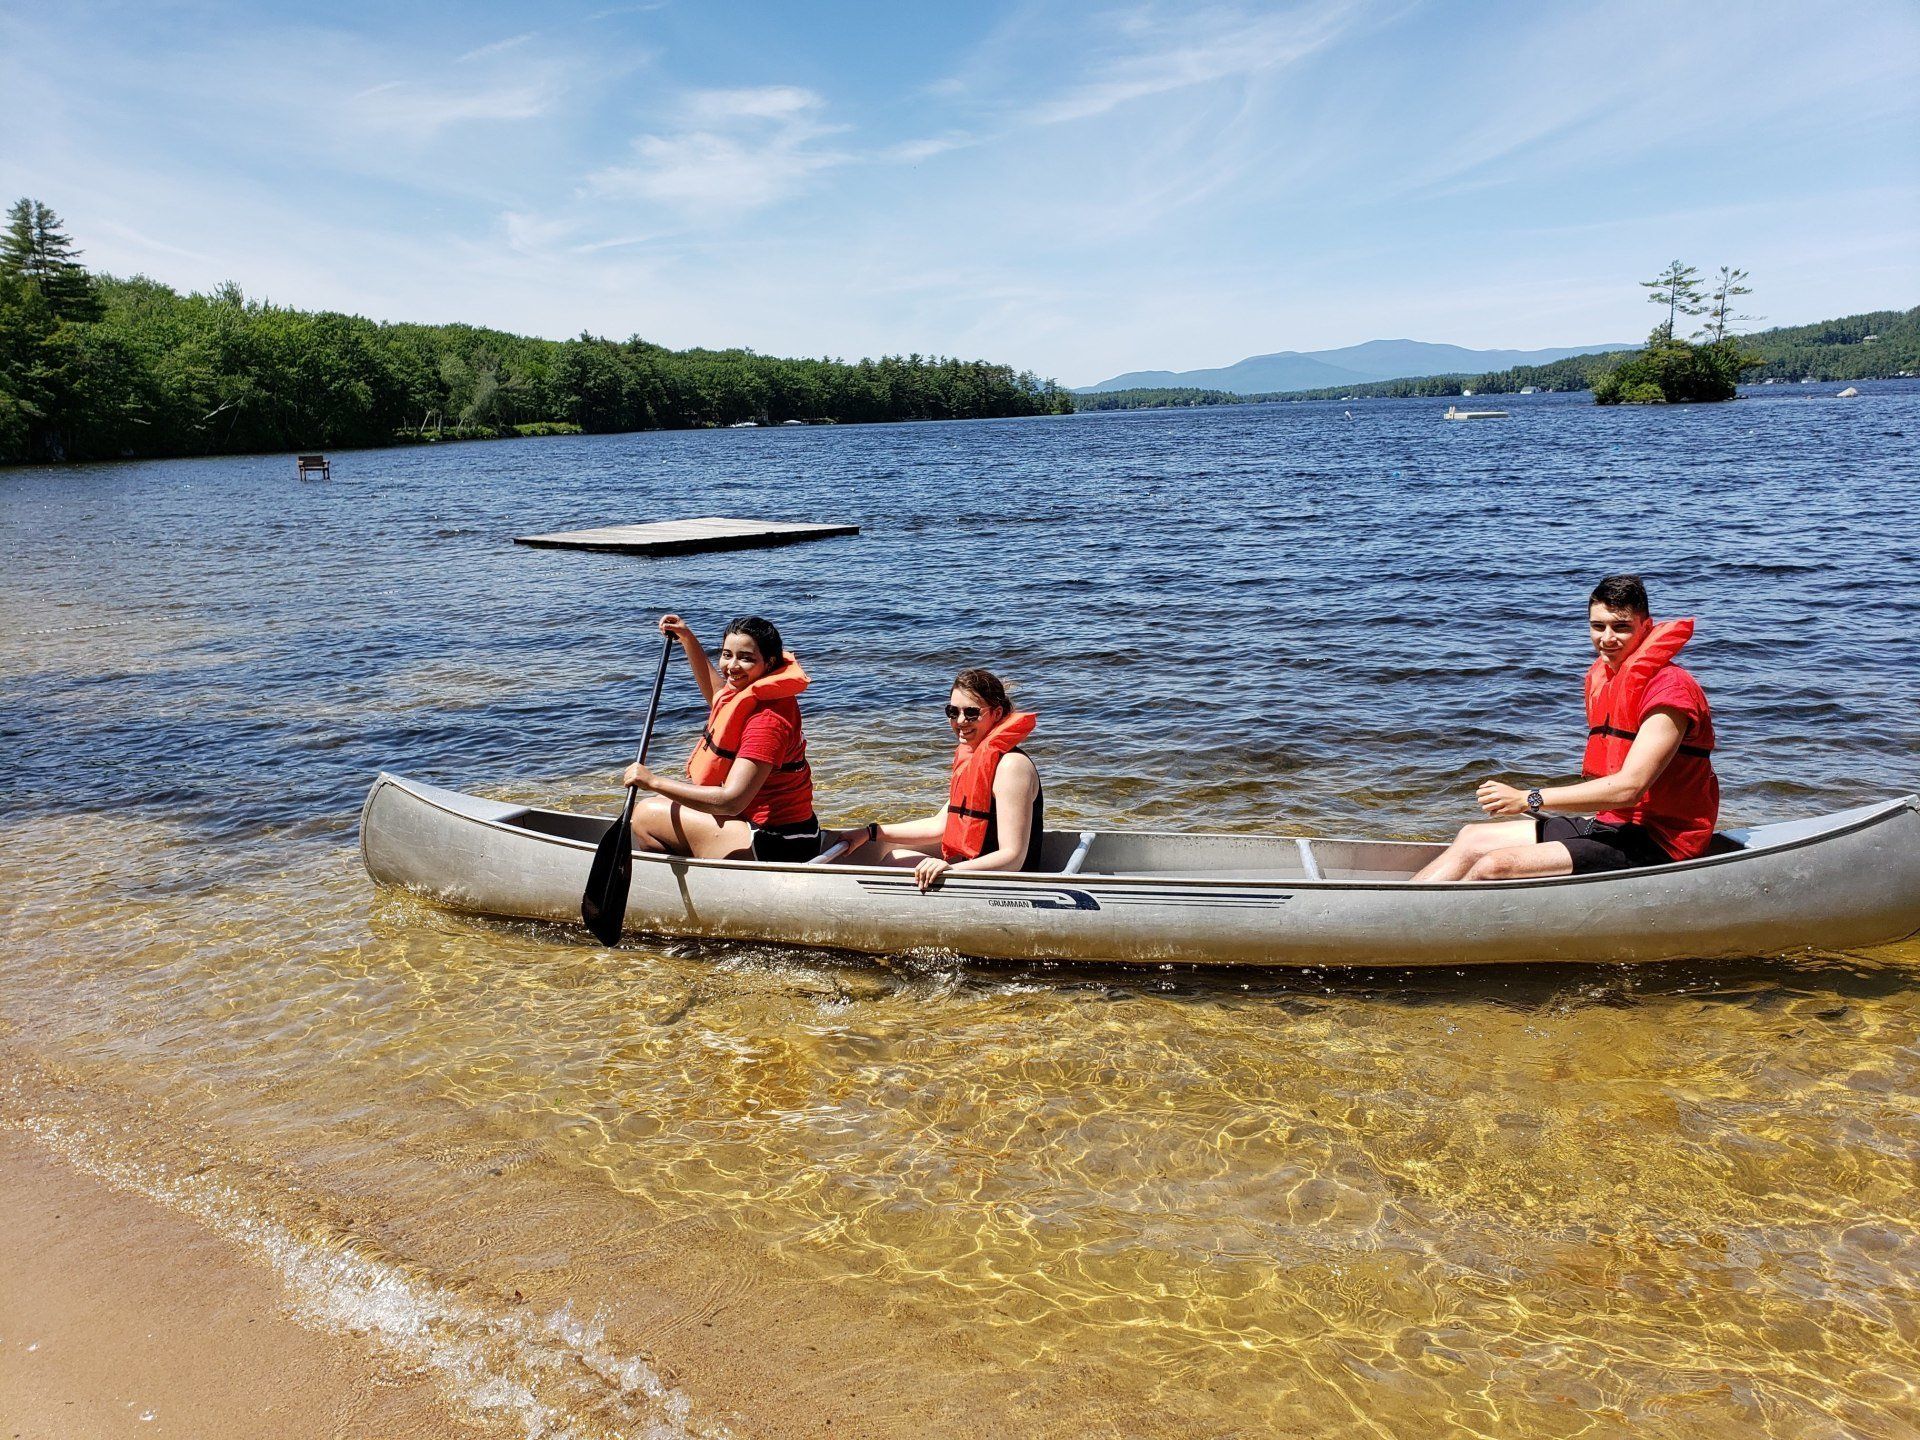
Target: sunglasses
pixel 971 712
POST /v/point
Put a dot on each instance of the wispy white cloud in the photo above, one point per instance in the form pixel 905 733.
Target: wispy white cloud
pixel 413 110
pixel 1576 88
pixel 912 152
pixel 1165 50
pixel 731 152
pixel 481 52
pixel 1083 188
pixel 125 232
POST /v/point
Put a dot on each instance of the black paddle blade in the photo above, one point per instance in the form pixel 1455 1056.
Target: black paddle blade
pixel 603 907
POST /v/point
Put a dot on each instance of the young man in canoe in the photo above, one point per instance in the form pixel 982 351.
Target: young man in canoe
pixel 1647 777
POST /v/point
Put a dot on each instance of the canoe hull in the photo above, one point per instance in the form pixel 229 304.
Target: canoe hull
pixel 1852 881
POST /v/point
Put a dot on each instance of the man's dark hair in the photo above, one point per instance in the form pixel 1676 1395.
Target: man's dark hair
pixel 766 639
pixel 1621 592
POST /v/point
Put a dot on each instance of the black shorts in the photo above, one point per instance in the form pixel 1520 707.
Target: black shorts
pixel 1598 846
pixel 787 844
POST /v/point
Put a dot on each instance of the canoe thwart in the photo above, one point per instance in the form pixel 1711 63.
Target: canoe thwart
pixel 1079 856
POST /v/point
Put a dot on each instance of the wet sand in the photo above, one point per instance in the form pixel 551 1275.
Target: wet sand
pixel 120 1317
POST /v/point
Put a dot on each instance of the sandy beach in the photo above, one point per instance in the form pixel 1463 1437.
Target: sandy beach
pixel 119 1317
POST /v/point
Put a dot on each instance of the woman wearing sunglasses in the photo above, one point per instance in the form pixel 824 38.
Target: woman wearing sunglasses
pixel 748 790
pixel 995 813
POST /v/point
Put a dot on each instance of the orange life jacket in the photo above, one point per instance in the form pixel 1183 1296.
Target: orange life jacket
pixel 970 796
pixel 719 744
pixel 1613 697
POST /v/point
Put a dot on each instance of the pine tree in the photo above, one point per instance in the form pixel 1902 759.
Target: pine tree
pixel 36 250
pixel 1719 310
pixel 1678 288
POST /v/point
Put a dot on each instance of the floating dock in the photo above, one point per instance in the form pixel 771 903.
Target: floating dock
pixel 685 537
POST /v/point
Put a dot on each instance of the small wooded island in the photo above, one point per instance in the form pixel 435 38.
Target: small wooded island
pixel 96 367
pixel 1672 371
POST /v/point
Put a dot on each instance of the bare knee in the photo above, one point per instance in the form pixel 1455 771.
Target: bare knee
pixel 1496 865
pixel 654 826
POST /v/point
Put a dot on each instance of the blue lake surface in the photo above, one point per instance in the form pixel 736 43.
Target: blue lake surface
pixel 654 1190
pixel 1260 615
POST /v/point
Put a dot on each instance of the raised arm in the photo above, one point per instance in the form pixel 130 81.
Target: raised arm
pixel 697 661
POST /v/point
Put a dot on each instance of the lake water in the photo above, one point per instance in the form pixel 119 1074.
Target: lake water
pixel 684 1189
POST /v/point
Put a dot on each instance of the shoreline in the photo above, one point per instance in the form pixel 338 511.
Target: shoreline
pixel 117 1314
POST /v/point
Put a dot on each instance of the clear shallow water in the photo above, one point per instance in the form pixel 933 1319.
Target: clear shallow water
pixel 705 1188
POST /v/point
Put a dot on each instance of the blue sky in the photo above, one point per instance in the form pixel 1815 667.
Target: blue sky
pixel 1078 189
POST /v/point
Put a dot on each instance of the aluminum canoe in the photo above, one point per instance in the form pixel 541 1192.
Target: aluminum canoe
pixel 1844 881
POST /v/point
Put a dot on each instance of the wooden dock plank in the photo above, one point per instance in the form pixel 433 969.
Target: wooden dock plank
pixel 683 537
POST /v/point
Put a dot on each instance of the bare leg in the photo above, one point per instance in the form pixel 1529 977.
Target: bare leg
pixel 1521 862
pixel 1475 841
pixel 666 826
pixel 904 857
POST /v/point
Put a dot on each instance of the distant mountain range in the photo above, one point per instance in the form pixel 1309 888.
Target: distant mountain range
pixel 1351 365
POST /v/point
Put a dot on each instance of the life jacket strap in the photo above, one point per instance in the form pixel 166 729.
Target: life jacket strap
pixel 791 767
pixel 1685 749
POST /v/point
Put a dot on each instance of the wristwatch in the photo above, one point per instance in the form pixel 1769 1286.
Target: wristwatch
pixel 1534 802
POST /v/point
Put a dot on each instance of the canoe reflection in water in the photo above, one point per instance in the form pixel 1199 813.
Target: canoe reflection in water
pixel 1840 881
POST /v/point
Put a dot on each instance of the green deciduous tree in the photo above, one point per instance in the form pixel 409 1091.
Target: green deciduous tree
pixel 99 367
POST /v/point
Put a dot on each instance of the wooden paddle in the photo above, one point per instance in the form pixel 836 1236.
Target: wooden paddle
pixel 603 908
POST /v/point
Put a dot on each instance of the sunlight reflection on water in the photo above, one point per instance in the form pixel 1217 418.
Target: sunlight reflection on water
pixel 1669 1201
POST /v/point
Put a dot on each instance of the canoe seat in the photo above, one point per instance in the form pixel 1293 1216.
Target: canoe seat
pixel 1728 842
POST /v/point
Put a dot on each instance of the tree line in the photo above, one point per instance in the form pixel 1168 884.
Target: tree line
pixel 98 367
pixel 1876 344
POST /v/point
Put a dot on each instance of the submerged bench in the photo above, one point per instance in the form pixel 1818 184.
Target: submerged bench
pixel 681 537
pixel 316 464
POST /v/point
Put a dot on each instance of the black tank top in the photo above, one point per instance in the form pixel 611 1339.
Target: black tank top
pixel 1036 830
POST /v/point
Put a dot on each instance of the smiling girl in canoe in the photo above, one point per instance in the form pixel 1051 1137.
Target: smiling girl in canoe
pixel 748 789
pixel 995 813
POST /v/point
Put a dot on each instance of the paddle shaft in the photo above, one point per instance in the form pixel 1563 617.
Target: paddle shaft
pixel 603 905
pixel 646 736
pixel 653 707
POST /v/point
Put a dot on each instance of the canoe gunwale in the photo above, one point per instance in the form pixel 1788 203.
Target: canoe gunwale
pixel 1865 817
